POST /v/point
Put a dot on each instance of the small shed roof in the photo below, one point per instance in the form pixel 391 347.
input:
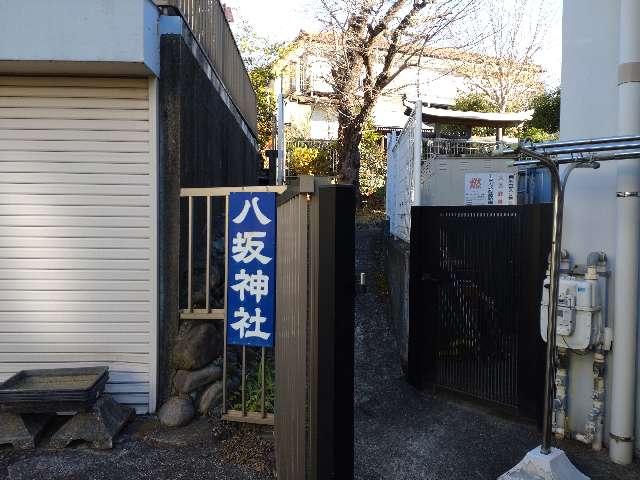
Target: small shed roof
pixel 474 119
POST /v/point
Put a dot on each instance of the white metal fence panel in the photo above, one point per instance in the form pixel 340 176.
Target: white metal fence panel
pixel 78 229
pixel 403 175
pixel 390 180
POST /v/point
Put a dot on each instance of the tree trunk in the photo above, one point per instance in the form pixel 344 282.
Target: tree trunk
pixel 349 137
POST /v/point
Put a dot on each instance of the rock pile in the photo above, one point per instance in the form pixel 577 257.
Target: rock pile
pixel 197 381
pixel 198 348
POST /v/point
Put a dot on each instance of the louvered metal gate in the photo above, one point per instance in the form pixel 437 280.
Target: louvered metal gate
pixel 476 277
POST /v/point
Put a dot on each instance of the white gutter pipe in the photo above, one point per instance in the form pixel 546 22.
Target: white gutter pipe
pixel 627 242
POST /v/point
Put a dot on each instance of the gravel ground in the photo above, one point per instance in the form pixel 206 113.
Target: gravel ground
pixel 402 433
pixel 205 449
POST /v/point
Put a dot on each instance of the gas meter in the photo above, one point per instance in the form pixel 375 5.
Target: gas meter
pixel 579 318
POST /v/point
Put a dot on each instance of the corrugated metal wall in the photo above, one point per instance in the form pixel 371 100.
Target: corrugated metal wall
pixel 77 228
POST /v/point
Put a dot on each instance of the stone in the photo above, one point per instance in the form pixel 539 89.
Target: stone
pixel 22 431
pixel 98 427
pixel 218 245
pixel 198 345
pixel 177 411
pixel 186 381
pixel 216 278
pixel 210 398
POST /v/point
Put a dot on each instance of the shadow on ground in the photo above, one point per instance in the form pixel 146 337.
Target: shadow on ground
pixel 205 449
pixel 402 433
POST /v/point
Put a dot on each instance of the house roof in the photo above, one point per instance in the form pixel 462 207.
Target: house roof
pixel 327 38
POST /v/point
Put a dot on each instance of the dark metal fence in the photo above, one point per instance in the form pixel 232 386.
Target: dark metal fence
pixel 475 287
pixel 314 333
pixel 207 21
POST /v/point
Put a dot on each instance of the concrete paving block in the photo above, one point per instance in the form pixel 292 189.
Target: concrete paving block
pixel 22 431
pixel 97 427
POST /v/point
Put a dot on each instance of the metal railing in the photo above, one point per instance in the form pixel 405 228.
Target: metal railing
pixel 210 28
pixel 432 147
pixel 209 313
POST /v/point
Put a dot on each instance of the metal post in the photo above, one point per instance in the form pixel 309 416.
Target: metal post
pixel 280 171
pixel 226 265
pixel 557 193
pixel 208 260
pixel 263 377
pixel 190 256
pixel 585 141
pixel 244 374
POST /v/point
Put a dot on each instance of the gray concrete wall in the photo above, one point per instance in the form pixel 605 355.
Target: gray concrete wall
pixel 397 265
pixel 202 144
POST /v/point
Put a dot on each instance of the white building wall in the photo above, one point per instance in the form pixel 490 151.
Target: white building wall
pixel 590 109
pixel 437 83
pixel 116 36
pixel 316 121
pixel 389 112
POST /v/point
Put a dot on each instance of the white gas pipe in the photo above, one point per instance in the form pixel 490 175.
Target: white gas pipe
pixel 624 378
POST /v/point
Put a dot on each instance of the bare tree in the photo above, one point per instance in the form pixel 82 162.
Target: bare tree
pixel 368 44
pixel 505 70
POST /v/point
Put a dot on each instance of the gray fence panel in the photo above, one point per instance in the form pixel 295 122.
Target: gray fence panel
pixel 291 338
pixel 314 333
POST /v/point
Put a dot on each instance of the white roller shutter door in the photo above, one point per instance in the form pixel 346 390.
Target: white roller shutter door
pixel 78 229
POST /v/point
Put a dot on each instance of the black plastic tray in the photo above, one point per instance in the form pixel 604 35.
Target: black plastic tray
pixel 53 390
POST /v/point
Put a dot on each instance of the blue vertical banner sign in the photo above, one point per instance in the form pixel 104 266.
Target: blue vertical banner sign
pixel 251 269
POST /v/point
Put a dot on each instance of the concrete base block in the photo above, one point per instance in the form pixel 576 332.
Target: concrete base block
pixel 537 466
pixel 97 427
pixel 22 431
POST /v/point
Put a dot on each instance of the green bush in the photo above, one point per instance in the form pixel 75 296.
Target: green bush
pixel 308 161
pixel 536 134
pixel 253 392
pixel 373 162
pixel 546 112
pixel 318 160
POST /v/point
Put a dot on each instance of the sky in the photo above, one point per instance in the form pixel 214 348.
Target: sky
pixel 281 20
